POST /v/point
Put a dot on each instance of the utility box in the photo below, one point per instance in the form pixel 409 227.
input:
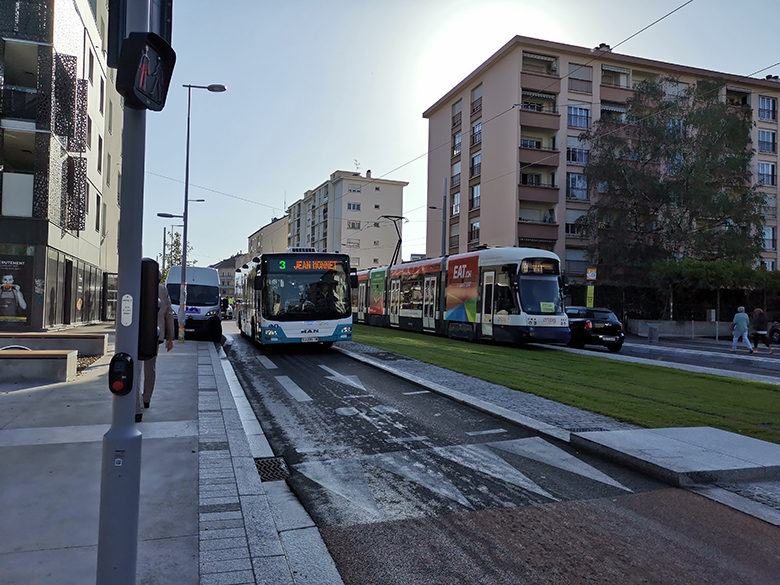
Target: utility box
pixel 711 315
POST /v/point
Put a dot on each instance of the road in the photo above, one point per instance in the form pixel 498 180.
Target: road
pixel 410 488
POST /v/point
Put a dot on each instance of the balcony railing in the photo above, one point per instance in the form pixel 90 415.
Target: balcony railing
pixel 476 170
pixel 476 105
pixel 474 202
pixel 765 146
pixel 20 103
pixel 25 20
pixel 767 179
pixel 455 180
pixel 534 107
pixel 474 235
pixel 767 114
pixel 770 243
pixel 456 119
pixel 456 149
pixel 581 85
pixel 476 138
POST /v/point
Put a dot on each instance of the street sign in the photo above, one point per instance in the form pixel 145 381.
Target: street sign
pixel 144 71
pixel 590 274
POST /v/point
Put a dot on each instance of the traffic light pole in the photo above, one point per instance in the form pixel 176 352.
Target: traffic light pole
pixel 121 461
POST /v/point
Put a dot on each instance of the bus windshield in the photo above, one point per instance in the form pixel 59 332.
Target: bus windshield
pixel 307 295
pixel 540 295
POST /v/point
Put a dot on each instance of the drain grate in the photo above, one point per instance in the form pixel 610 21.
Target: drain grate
pixel 585 429
pixel 272 468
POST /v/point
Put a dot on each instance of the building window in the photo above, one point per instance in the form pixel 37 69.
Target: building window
pixel 376 206
pixel 532 179
pixel 580 78
pixel 353 261
pixel 100 155
pixel 90 66
pixel 476 99
pixel 102 93
pixel 456 203
pixel 353 243
pixel 376 260
pixel 576 261
pixel 97 212
pixel 474 231
pixel 456 174
pixel 108 169
pixel 474 199
pixel 767 141
pixel 376 243
pixel 353 225
pixel 457 113
pixel 454 235
pixel 353 206
pixel 476 165
pixel 531 143
pixel 766 174
pixel 476 133
pixel 353 188
pixel 770 238
pixel 576 187
pixel 767 109
pixel 110 117
pixel 89 132
pixel 456 144
pixel 577 156
pixel 579 117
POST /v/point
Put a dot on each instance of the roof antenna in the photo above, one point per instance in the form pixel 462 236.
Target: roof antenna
pixel 357 165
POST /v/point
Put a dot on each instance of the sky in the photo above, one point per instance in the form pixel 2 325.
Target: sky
pixel 315 86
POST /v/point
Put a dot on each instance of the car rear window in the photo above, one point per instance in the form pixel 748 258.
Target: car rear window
pixel 608 315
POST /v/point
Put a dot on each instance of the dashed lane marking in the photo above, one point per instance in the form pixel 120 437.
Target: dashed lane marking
pixel 293 389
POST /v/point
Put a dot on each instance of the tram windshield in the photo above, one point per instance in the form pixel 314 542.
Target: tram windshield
pixel 541 295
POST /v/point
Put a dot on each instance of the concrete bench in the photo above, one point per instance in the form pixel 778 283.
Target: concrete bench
pixel 84 343
pixel 45 365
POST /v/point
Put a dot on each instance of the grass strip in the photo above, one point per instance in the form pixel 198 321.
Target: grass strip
pixel 645 395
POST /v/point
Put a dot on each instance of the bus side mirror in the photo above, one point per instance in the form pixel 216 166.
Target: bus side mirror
pixel 515 280
pixel 353 280
pixel 258 282
pixel 564 283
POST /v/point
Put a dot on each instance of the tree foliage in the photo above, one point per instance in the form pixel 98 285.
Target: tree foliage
pixel 173 253
pixel 672 181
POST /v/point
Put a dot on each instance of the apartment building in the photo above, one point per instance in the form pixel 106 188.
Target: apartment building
pixel 514 164
pixel 351 214
pixel 269 239
pixel 60 143
pixel 227 275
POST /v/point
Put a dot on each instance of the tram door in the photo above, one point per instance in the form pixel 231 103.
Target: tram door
pixel 362 309
pixel 395 301
pixel 429 302
pixel 488 279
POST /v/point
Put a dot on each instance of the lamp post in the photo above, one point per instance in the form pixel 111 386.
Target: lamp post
pixel 217 88
pixel 443 219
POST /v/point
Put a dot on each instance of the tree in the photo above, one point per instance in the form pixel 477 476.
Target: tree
pixel 173 253
pixel 673 181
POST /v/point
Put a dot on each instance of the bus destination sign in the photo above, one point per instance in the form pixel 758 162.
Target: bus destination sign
pixel 317 265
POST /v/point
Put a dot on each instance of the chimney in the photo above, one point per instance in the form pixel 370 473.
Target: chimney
pixel 368 174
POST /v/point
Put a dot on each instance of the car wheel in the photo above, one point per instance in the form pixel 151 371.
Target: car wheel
pixel 614 347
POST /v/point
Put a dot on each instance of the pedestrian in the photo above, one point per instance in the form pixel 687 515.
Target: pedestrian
pixel 760 327
pixel 165 335
pixel 740 325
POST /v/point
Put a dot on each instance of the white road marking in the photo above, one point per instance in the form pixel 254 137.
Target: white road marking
pixel 353 381
pixel 406 439
pixel 488 432
pixel 417 392
pixel 267 364
pixel 294 390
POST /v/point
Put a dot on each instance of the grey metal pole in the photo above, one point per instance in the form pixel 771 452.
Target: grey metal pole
pixel 121 461
pixel 163 254
pixel 444 220
pixel 183 289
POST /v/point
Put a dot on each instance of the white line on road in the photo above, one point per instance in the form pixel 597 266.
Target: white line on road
pixel 267 364
pixel 405 439
pixel 417 392
pixel 488 432
pixel 293 388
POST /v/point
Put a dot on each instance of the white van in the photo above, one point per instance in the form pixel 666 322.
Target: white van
pixel 202 310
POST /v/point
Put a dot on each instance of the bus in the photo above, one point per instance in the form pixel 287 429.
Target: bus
pixel 295 297
pixel 509 295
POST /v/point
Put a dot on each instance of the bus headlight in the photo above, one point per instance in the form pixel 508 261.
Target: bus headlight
pixel 269 332
pixel 212 314
pixel 346 329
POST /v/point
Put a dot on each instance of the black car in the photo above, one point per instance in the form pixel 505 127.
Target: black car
pixel 595 326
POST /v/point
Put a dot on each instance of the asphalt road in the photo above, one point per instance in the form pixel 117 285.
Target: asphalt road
pixel 408 487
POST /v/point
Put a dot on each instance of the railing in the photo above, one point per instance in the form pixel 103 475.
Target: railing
pixel 476 170
pixel 456 149
pixel 28 21
pixel 474 203
pixel 474 235
pixel 765 146
pixel 476 138
pixel 767 114
pixel 455 180
pixel 534 107
pixel 456 119
pixel 578 121
pixel 20 103
pixel 767 179
pixel 476 105
pixel 581 85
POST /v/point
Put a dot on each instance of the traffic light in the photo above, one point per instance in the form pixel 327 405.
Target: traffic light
pixel 144 72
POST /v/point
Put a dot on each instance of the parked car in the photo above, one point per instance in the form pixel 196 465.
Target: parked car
pixel 595 326
pixel 774 333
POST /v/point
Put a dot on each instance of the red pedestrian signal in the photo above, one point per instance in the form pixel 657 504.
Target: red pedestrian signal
pixel 145 69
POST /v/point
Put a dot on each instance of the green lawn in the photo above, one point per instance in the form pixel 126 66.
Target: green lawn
pixel 644 395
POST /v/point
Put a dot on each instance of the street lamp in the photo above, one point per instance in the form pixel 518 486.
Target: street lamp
pixel 216 88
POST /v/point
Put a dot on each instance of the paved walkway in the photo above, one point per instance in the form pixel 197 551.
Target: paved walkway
pixel 205 515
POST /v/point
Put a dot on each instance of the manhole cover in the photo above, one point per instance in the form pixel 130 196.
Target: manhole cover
pixel 272 468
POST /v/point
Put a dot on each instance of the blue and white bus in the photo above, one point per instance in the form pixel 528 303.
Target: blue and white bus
pixel 295 297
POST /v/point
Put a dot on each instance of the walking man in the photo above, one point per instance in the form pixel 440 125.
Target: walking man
pixel 741 325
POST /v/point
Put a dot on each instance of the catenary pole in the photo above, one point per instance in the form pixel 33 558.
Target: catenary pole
pixel 121 461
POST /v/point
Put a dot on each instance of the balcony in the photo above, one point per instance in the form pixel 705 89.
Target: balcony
pixel 538 116
pixel 543 193
pixel 539 156
pixel 527 230
pixel 455 180
pixel 475 170
pixel 615 93
pixel 476 138
pixel 27 20
pixel 538 82
pixel 20 103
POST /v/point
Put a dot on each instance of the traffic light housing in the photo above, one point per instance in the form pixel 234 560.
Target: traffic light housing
pixel 148 332
pixel 144 72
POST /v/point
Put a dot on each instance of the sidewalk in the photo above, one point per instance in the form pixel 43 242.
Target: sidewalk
pixel 205 515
